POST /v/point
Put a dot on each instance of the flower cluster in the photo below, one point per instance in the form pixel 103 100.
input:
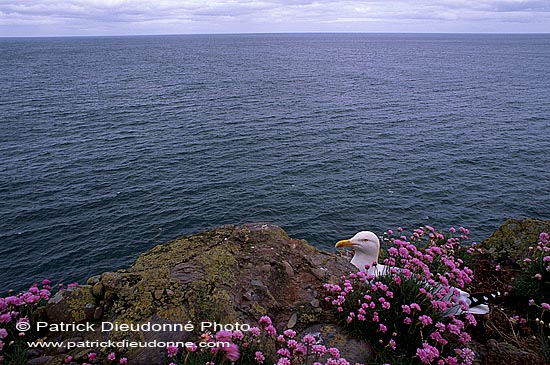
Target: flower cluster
pixel 536 267
pixel 415 311
pixel 260 345
pixel 15 312
pixel 531 287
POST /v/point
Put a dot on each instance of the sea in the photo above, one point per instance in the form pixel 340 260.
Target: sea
pixel 112 145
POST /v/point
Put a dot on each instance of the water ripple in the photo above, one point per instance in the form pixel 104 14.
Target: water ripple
pixel 110 146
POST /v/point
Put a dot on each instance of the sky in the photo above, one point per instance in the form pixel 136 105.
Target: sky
pixel 138 17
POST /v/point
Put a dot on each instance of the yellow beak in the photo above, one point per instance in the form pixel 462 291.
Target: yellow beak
pixel 343 243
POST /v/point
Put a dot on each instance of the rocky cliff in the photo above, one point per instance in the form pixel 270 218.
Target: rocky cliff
pixel 235 274
pixel 232 274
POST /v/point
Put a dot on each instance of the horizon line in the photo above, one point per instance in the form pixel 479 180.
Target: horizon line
pixel 269 33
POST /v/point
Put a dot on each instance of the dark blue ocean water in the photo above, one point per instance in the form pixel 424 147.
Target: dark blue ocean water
pixel 109 146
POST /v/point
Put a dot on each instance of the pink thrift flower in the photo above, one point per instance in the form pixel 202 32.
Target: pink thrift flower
pixel 471 319
pixel 265 320
pixel 289 333
pixel 334 352
pixel 545 306
pixel 309 339
pixel 466 354
pixel 464 338
pixel 255 331
pixel 426 320
pixel 238 335
pixel 68 359
pixel 437 337
pixel 191 346
pixel 111 356
pixel 259 357
pixel 427 353
pixel 232 352
pixel 172 351
pixel 91 356
pixel 300 350
pixel 123 360
pixel 223 336
pixel 452 360
pixel 383 328
pixel 284 352
pixel 319 349
pixel 283 361
pixel 271 330
pixel 292 344
pixel 453 328
pixel 3 333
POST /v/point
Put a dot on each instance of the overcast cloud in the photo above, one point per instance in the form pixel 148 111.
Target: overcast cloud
pixel 113 17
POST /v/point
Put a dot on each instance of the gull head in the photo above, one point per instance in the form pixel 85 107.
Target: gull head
pixel 365 243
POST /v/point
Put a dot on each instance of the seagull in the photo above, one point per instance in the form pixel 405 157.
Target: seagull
pixel 367 248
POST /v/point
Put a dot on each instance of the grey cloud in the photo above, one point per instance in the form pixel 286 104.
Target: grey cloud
pixel 262 13
pixel 521 6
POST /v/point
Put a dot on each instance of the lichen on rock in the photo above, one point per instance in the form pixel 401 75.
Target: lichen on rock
pixel 510 242
pixel 227 275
